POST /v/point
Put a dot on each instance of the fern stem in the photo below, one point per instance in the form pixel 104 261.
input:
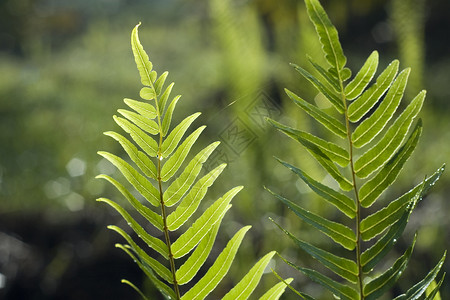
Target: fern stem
pixel 355 189
pixel 163 206
pixel 166 233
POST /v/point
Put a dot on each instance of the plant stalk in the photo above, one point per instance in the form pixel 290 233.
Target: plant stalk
pixel 355 189
pixel 163 207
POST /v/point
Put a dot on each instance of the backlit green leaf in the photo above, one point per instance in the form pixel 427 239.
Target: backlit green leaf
pixel 339 233
pixel 276 291
pixel 142 122
pixel 141 58
pixel 144 141
pixel 159 83
pixel 328 36
pixel 192 200
pixel 374 254
pixel 140 183
pixel 191 266
pixel 336 153
pixel 377 222
pixel 323 118
pixel 375 157
pixel 164 97
pixel 179 186
pixel 168 115
pixel 331 95
pixel 355 87
pixel 147 93
pixel 218 270
pixel 433 290
pixel 139 158
pixel 174 162
pixel 341 201
pixel 144 108
pixel 419 289
pixel 370 97
pixel 176 134
pixel 374 124
pixel 151 241
pixel 373 188
pixel 326 75
pixel 379 285
pixel 155 265
pixel 246 286
pixel 344 292
pixel 146 212
pixel 167 292
pixel 343 267
pixel 191 237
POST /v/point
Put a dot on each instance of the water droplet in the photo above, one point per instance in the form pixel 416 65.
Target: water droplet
pixel 129 224
pixel 394 240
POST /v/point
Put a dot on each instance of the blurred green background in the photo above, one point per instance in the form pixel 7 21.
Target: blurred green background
pixel 65 67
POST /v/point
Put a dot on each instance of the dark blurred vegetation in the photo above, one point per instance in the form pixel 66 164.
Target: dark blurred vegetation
pixel 66 65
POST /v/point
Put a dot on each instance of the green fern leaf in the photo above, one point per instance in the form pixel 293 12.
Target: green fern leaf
pixel 329 39
pixel 188 240
pixel 434 291
pixel 374 254
pixel 180 186
pixel 165 176
pixel 146 212
pixel 339 233
pixel 151 241
pixel 373 125
pixel 176 134
pixel 341 201
pixel 167 292
pixel 190 267
pixel 191 202
pixel 375 157
pixel 377 222
pixel 334 83
pixel 134 288
pixel 145 109
pixel 370 97
pixel 340 290
pixel 143 256
pixel 247 285
pixel 331 95
pixel 373 188
pixel 419 289
pixel 140 183
pixel 379 146
pixel 323 118
pixel 164 97
pixel 168 116
pixel 159 83
pixel 146 124
pixel 138 157
pixel 276 291
pixel 174 162
pixel 144 141
pixel 343 267
pixel 378 286
pixel 362 79
pixel 218 270
pixel 336 153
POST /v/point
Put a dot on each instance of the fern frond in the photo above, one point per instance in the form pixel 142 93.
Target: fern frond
pixel 376 151
pixel 164 175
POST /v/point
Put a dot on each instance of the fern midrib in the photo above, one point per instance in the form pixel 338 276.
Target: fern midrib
pixel 355 189
pixel 161 198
